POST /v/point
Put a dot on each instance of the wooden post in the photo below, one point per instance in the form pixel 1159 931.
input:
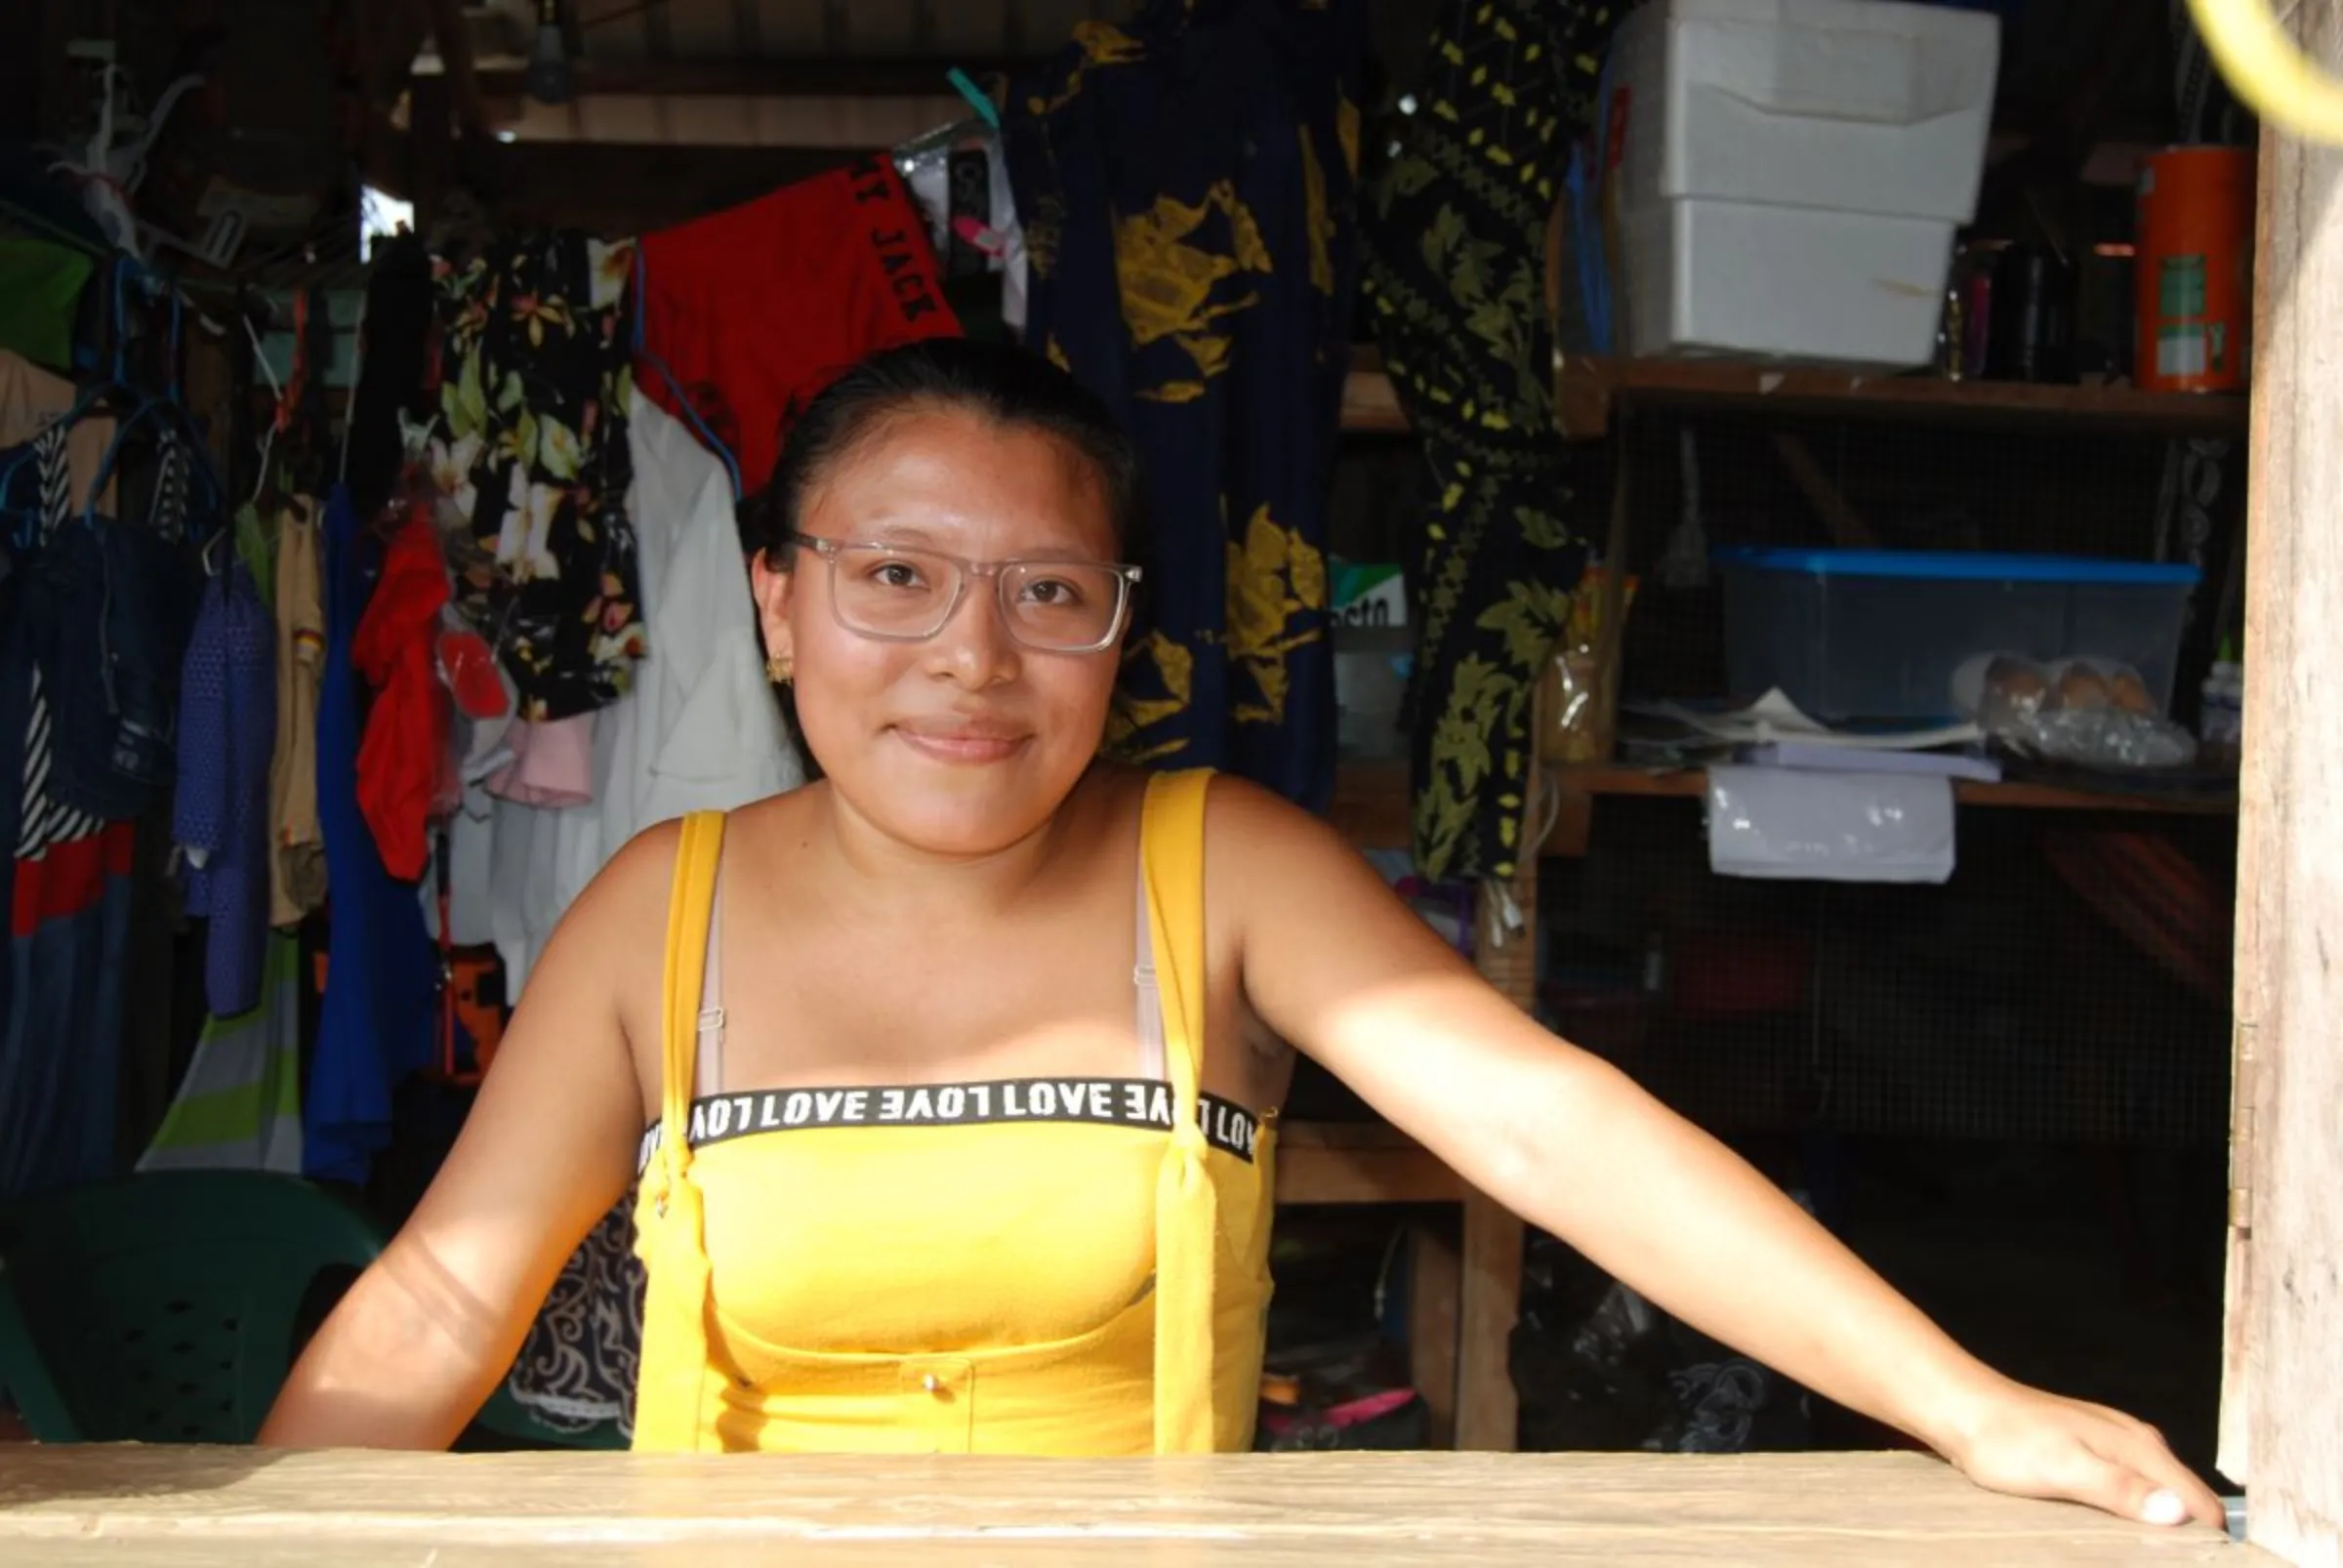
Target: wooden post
pixel 1434 1305
pixel 2281 1420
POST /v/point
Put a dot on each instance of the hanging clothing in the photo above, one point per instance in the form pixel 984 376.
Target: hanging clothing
pixel 297 843
pixel 389 407
pixel 220 816
pixel 238 1105
pixel 1186 186
pixel 32 400
pixel 41 287
pixel 754 308
pixel 112 605
pixel 1455 244
pixel 61 1043
pixel 405 769
pixel 470 834
pixel 701 730
pixel 550 764
pixel 45 819
pixel 378 1020
pixel 528 449
pixel 62 985
pixel 1030 1267
pixel 66 460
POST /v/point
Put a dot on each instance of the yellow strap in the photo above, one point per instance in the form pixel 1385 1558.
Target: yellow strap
pixel 1186 1211
pixel 691 908
pixel 672 1371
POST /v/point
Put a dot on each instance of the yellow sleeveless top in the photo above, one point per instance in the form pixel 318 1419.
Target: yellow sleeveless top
pixel 1048 1266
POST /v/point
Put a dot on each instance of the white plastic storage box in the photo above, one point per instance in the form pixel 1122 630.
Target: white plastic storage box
pixel 1792 171
pixel 1879 633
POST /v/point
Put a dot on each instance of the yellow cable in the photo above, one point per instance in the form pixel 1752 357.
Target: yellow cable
pixel 2266 71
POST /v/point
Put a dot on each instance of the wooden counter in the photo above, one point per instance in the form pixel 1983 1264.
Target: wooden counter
pixel 162 1507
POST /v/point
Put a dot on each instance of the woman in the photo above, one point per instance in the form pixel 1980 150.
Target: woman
pixel 960 1065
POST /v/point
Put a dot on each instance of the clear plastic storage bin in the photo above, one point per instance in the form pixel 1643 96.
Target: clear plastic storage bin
pixel 1879 633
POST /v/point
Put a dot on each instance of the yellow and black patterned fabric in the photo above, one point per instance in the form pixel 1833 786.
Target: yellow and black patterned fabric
pixel 1454 229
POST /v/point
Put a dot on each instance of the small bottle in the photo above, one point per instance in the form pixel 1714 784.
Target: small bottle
pixel 1952 336
pixel 2220 724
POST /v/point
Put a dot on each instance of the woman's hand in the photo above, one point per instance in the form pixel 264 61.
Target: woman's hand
pixel 2034 1444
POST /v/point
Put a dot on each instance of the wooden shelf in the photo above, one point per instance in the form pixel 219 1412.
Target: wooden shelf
pixel 2012 793
pixel 1588 389
pixel 1371 799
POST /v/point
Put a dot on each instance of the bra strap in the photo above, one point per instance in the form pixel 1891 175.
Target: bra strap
pixel 1148 998
pixel 708 1029
pixel 1186 1205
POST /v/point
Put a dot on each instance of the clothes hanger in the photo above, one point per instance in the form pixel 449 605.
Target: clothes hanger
pixel 644 354
pixel 92 399
pixel 207 496
pixel 276 406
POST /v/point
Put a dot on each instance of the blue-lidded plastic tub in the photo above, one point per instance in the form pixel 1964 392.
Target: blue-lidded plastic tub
pixel 1879 633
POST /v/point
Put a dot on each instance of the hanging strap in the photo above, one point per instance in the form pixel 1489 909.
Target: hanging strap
pixel 691 909
pixel 1186 1208
pixel 674 1368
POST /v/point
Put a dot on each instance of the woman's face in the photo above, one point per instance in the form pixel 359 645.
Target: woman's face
pixel 966 743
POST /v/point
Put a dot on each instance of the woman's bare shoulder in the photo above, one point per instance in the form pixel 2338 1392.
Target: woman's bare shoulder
pixel 641 875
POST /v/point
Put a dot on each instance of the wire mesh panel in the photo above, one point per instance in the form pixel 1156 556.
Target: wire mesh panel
pixel 2072 980
pixel 2019 1001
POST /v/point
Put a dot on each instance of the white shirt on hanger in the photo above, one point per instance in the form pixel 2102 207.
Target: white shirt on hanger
pixel 700 732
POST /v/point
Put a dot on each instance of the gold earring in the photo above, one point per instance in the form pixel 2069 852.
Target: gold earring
pixel 778 668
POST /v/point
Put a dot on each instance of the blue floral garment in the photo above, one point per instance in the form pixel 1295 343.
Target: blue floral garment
pixel 1186 182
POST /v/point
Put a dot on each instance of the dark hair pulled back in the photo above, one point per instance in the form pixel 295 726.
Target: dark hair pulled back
pixel 1003 385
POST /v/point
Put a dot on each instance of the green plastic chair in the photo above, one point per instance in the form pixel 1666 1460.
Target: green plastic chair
pixel 162 1309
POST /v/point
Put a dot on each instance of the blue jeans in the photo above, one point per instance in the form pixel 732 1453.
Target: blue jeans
pixel 110 606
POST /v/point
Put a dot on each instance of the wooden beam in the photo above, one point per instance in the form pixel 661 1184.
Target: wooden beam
pixel 1366 1162
pixel 617 189
pixel 847 77
pixel 2283 1371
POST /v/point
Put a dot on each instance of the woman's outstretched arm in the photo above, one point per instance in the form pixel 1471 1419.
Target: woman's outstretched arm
pixel 1348 973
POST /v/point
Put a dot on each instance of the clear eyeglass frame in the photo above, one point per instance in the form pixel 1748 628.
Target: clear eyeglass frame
pixel 963 568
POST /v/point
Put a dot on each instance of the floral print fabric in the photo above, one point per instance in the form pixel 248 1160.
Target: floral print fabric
pixel 528 455
pixel 1186 182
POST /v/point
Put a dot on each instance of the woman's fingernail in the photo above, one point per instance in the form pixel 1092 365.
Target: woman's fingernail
pixel 2164 1507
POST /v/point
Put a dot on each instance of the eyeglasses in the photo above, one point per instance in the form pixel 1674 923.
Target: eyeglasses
pixel 901 595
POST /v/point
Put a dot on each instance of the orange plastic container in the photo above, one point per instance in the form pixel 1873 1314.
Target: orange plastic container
pixel 2193 270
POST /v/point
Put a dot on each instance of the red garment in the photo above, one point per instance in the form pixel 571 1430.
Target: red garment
pixel 403 761
pixel 70 877
pixel 754 309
